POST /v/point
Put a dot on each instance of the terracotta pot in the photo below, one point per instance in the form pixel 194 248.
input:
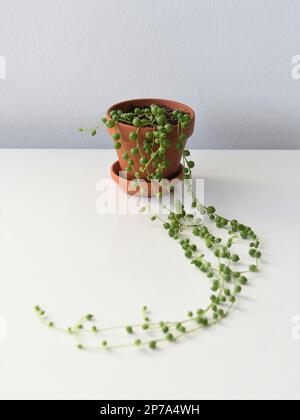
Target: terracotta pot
pixel 173 155
pixel 143 188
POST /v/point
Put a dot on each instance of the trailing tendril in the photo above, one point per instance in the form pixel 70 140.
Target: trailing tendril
pixel 196 234
pixel 226 277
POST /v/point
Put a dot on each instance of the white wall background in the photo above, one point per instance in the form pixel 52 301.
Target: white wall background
pixel 67 60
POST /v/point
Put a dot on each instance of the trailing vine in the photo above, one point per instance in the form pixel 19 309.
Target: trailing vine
pixel 228 274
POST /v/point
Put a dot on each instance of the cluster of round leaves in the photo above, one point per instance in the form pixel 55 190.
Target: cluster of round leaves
pixel 151 149
pixel 227 280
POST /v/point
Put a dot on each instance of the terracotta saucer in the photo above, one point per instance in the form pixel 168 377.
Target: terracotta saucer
pixel 142 187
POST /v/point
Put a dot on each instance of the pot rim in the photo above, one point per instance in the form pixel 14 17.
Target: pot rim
pixel 167 102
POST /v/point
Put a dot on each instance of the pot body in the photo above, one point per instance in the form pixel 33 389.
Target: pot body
pixel 173 155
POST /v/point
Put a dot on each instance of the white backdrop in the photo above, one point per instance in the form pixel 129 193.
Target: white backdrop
pixel 67 60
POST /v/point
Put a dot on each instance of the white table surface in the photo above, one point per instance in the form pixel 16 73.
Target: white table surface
pixel 57 251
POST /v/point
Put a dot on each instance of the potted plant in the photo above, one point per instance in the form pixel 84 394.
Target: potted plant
pixel 150 137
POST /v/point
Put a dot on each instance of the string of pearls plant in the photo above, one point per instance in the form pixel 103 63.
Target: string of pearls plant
pixel 152 151
pixel 200 246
